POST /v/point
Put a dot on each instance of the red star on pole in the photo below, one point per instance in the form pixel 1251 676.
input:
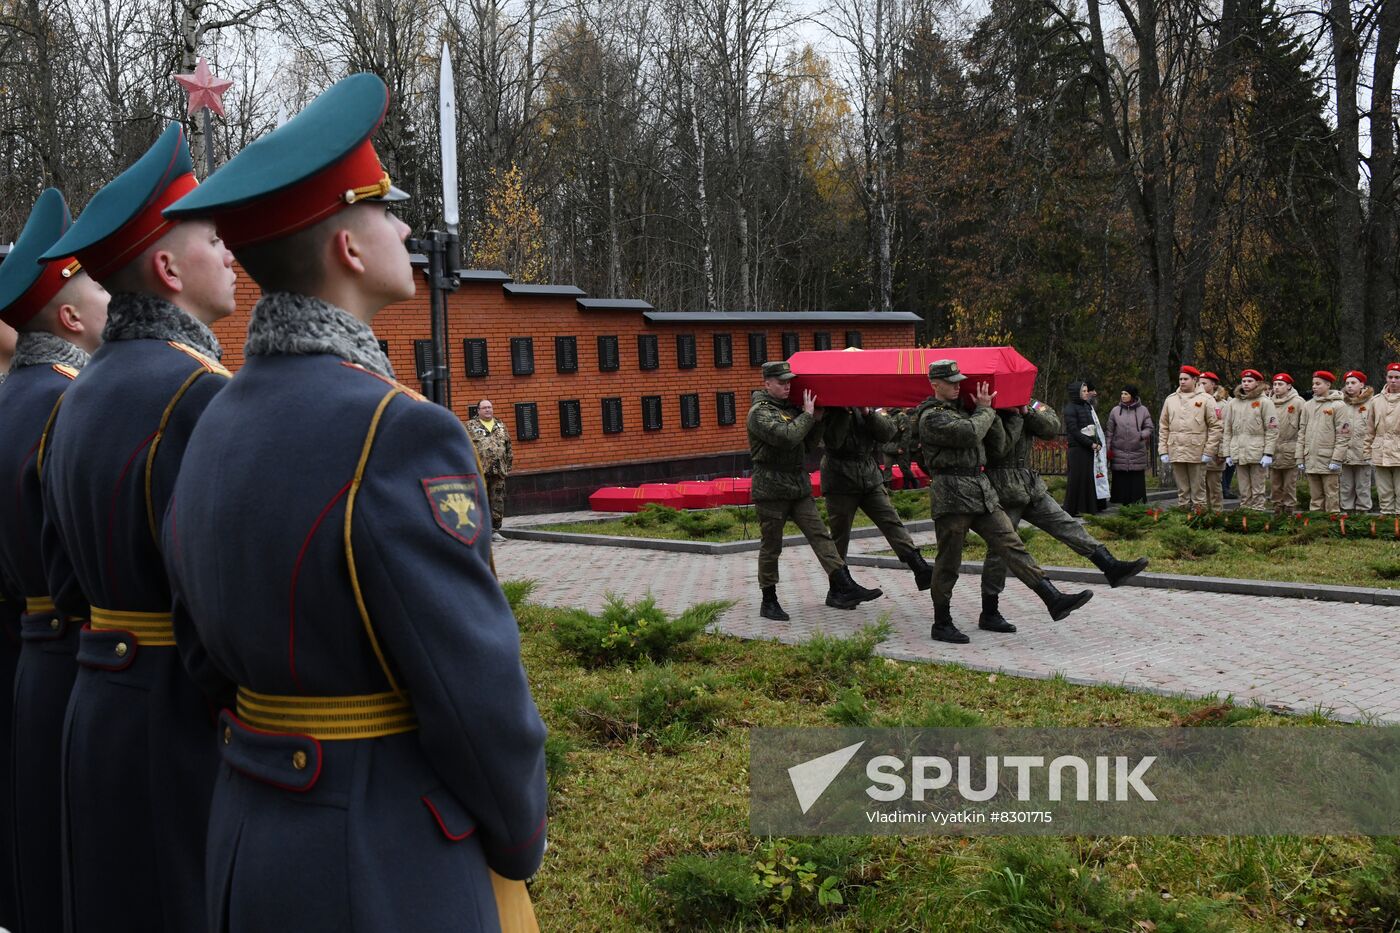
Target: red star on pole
pixel 204 89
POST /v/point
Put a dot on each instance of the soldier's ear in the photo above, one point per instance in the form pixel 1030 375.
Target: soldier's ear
pixel 345 252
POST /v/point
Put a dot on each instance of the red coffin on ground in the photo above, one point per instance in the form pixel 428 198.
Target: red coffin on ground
pixel 631 499
pixel 699 494
pixel 899 378
pixel 734 490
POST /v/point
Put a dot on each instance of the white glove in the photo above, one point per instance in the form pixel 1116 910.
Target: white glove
pixel 1206 458
pixel 1266 460
pixel 1229 461
pixel 1334 467
pixel 1302 467
pixel 1166 458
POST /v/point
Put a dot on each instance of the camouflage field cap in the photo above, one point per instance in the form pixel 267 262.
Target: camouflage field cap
pixel 778 369
pixel 947 370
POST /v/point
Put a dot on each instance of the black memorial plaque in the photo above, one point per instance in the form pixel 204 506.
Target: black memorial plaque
pixel 648 351
pixel 724 351
pixel 758 349
pixel 566 354
pixel 792 342
pixel 612 415
pixel 423 359
pixel 651 413
pixel 384 347
pixel 608 359
pixel 685 351
pixel 570 418
pixel 527 421
pixel 522 356
pixel 474 352
pixel 690 410
pixel 821 340
pixel 724 407
pixel 852 338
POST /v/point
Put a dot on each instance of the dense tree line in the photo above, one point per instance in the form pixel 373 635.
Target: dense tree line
pixel 1113 186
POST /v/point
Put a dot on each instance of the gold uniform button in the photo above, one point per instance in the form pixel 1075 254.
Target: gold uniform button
pixel 228 735
pixel 53 624
pixel 299 760
pixel 121 649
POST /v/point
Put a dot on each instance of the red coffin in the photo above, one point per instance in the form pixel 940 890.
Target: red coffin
pixel 631 499
pixel 899 378
pixel 699 494
pixel 734 491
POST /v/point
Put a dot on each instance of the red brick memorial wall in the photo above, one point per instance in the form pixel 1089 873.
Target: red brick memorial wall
pixel 600 392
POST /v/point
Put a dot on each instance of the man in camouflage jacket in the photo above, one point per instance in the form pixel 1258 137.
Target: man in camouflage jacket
pixel 493 450
pixel 962 499
pixel 780 437
pixel 1023 495
pixel 895 452
pixel 851 480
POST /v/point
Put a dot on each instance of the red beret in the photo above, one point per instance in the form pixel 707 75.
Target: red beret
pixel 1324 374
pixel 1393 368
pixel 1191 371
pixel 1357 373
pixel 1210 375
pixel 1284 376
pixel 1253 372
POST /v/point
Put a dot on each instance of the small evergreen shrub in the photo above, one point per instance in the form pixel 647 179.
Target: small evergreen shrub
pixel 625 632
pixel 665 709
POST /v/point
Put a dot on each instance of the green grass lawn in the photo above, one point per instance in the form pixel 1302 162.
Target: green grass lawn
pixel 649 808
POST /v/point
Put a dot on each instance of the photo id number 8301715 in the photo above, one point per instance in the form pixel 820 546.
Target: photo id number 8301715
pixel 1021 816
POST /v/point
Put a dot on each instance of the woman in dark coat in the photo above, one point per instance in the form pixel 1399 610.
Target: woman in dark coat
pixel 1129 437
pixel 1084 441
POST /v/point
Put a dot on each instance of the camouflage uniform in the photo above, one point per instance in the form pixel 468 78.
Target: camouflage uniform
pixel 780 437
pixel 494 451
pixel 895 452
pixel 1020 489
pixel 961 496
pixel 851 478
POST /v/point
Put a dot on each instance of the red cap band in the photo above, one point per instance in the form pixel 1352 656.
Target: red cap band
pixel 103 258
pixel 1254 373
pixel 1324 374
pixel 1393 368
pixel 1284 376
pixel 311 200
pixel 1191 371
pixel 50 282
pixel 1210 375
pixel 1357 373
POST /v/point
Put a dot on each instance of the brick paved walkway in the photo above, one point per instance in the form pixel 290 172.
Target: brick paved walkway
pixel 1342 658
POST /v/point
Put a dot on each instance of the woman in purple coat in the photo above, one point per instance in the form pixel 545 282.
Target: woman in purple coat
pixel 1129 436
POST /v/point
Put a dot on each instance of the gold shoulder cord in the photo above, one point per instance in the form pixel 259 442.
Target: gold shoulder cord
pixel 349 546
pixel 44 438
pixel 155 442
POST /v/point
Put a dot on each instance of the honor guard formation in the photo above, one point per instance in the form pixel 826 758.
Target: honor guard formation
pixel 264 677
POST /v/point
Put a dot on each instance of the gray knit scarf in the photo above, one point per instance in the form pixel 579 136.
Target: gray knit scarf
pixel 288 324
pixel 40 348
pixel 140 316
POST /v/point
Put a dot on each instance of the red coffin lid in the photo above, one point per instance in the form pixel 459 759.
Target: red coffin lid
pixel 899 378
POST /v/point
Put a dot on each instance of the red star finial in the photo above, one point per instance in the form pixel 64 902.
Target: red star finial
pixel 204 89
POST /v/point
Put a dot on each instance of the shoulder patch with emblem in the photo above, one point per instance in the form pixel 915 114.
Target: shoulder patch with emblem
pixel 415 395
pixel 1254 405
pixel 209 364
pixel 456 504
pixel 63 369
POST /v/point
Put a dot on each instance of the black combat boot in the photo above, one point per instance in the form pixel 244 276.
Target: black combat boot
pixel 1060 604
pixel 845 593
pixel 1115 571
pixel 770 608
pixel 991 619
pixel 923 573
pixel 943 627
